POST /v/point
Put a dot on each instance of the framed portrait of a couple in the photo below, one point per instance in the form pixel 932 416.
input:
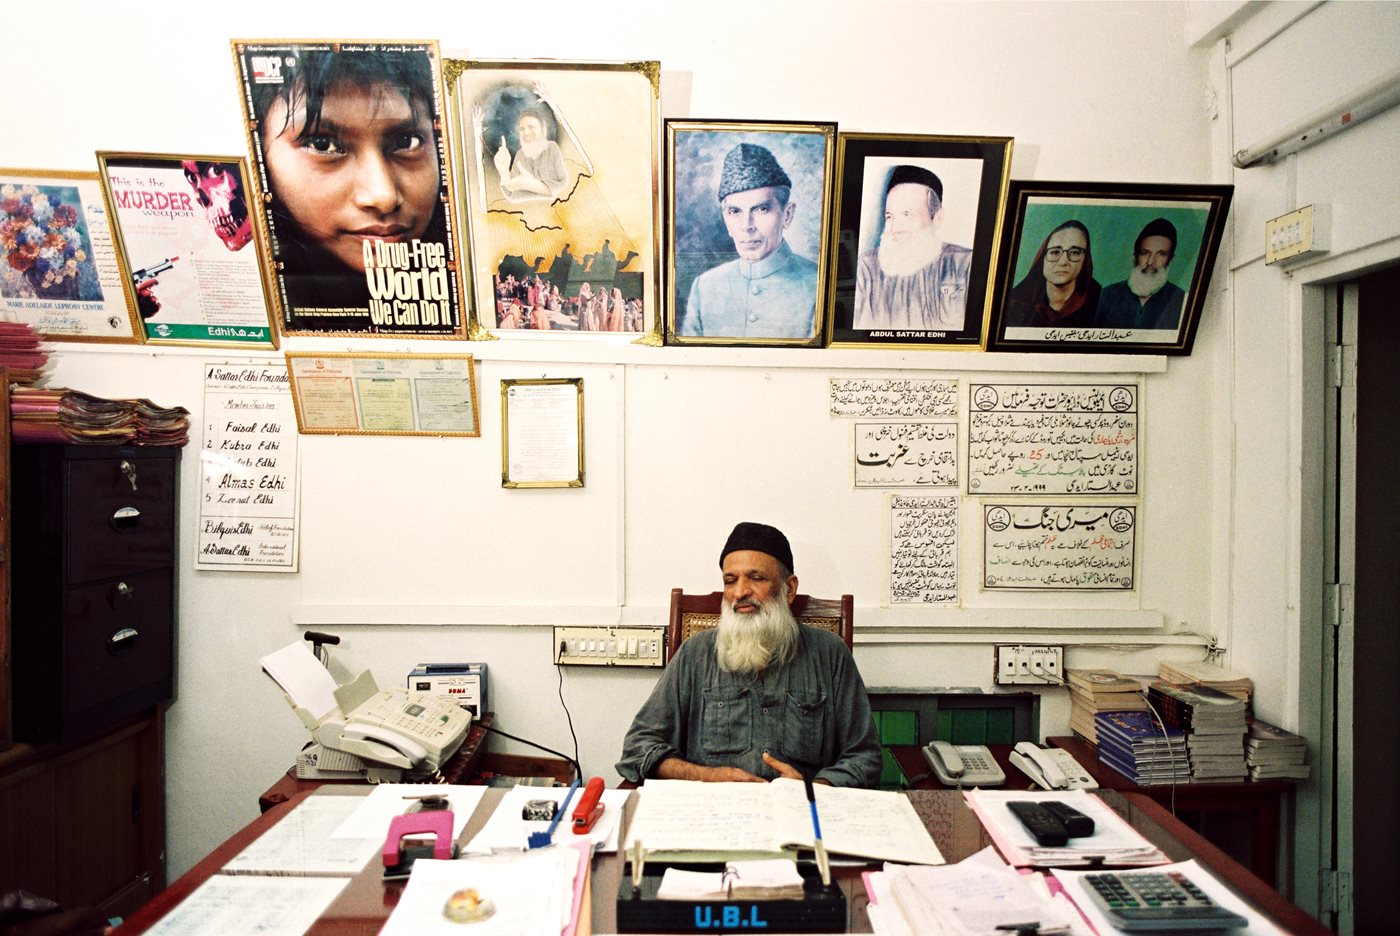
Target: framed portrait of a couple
pixel 914 242
pixel 351 157
pixel 1106 267
pixel 748 223
pixel 558 162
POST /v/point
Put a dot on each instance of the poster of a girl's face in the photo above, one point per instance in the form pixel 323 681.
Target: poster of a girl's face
pixel 351 152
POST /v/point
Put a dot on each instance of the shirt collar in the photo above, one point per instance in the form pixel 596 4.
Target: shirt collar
pixel 775 261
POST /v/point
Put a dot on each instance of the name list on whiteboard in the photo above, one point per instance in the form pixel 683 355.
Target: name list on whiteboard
pixel 248 503
pixel 1052 439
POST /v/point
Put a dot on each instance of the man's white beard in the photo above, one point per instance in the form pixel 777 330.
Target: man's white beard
pixel 531 150
pixel 750 641
pixel 1145 285
pixel 911 253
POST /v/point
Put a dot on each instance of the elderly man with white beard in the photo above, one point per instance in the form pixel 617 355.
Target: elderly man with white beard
pixel 760 696
pixel 1146 299
pixel 913 279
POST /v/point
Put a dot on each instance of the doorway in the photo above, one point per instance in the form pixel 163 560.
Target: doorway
pixel 1364 650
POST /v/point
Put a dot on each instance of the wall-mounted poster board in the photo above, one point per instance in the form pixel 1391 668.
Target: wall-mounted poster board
pixel 384 394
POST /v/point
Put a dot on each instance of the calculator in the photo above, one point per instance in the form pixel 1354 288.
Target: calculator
pixel 1158 902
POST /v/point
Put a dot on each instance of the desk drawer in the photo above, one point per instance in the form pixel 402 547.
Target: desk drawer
pixel 114 529
pixel 117 640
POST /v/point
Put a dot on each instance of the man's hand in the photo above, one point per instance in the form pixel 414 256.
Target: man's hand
pixel 502 162
pixel 674 768
pixel 786 770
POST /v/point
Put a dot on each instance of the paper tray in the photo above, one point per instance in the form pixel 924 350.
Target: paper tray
pixel 821 910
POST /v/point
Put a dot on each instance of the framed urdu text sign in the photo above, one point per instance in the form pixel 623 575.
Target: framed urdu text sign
pixel 350 148
pixel 747 220
pixel 542 433
pixel 917 224
pixel 384 394
pixel 1106 267
pixel 58 267
pixel 558 163
pixel 187 248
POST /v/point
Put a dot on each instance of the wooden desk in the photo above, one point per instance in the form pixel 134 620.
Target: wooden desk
pixel 471 762
pixel 367 901
pixel 1262 802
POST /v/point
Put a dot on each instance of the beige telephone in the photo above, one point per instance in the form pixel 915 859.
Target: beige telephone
pixel 1051 768
pixel 963 765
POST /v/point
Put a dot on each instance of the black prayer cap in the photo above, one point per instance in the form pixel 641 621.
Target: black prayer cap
pixel 1157 227
pixel 760 537
pixel 902 175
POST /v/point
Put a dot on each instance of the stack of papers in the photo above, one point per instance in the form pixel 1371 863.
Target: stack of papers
pixel 1117 842
pixel 971 898
pixel 1201 673
pixel 73 417
pixel 771 879
pixel 21 353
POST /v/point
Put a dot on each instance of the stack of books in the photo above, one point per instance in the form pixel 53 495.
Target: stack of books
pixel 1100 690
pixel 72 417
pixel 1201 673
pixel 1214 723
pixel 1274 754
pixel 1135 745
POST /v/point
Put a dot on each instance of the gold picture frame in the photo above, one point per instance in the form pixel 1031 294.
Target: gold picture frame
pixel 361 393
pixel 548 449
pixel 557 164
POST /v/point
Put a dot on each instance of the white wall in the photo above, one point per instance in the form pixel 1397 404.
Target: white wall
pixel 398 531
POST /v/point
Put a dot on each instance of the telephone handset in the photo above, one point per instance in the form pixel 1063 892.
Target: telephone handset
pixel 391 742
pixel 963 765
pixel 1051 768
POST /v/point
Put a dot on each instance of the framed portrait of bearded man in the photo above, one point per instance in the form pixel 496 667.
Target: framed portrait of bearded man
pixel 915 239
pixel 557 163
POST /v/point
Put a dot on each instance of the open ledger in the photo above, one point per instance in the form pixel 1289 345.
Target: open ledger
pixel 686 820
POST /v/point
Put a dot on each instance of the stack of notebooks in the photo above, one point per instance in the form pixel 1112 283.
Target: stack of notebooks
pixel 21 353
pixel 1100 690
pixel 1201 673
pixel 1214 723
pixel 72 417
pixel 1274 754
pixel 1135 745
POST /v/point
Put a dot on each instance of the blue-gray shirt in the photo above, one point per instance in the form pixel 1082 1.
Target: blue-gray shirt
pixel 812 710
pixel 775 297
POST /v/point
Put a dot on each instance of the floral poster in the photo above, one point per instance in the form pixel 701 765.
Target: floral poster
pixel 58 270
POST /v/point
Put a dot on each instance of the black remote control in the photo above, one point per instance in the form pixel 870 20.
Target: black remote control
pixel 1040 822
pixel 1075 822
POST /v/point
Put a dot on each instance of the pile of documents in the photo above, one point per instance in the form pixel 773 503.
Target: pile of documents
pixel 1201 673
pixel 1113 842
pixel 1214 723
pixel 73 417
pixel 1100 690
pixel 21 354
pixel 1274 754
pixel 1135 745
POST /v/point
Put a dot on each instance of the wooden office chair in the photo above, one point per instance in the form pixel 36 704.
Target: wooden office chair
pixel 691 614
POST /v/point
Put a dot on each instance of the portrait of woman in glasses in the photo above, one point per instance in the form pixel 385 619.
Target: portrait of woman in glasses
pixel 1059 290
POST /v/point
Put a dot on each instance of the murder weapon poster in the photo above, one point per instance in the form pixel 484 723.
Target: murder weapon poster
pixel 1052 439
pixel 249 498
pixel 1059 548
pixel 351 156
pixel 923 550
pixel 187 248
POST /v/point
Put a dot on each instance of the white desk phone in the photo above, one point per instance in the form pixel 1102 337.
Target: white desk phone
pixel 405 730
pixel 1051 768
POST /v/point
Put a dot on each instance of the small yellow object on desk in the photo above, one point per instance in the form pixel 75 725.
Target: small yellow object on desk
pixel 468 906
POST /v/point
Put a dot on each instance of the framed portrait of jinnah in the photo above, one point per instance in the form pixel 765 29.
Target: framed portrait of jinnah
pixel 917 224
pixel 557 162
pixel 747 221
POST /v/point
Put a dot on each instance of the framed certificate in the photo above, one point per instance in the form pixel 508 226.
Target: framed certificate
pixel 384 394
pixel 542 433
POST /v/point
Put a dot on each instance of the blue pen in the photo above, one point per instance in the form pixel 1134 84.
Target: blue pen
pixel 541 839
pixel 823 863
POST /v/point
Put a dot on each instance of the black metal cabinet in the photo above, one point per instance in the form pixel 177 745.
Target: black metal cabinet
pixel 93 578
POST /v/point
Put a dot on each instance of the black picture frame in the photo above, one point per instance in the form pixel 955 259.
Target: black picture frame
pixel 1101 313
pixel 876 300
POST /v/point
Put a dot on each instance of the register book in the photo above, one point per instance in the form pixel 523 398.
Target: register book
pixel 685 820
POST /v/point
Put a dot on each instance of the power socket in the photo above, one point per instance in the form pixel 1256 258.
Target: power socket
pixel 609 646
pixel 1029 664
